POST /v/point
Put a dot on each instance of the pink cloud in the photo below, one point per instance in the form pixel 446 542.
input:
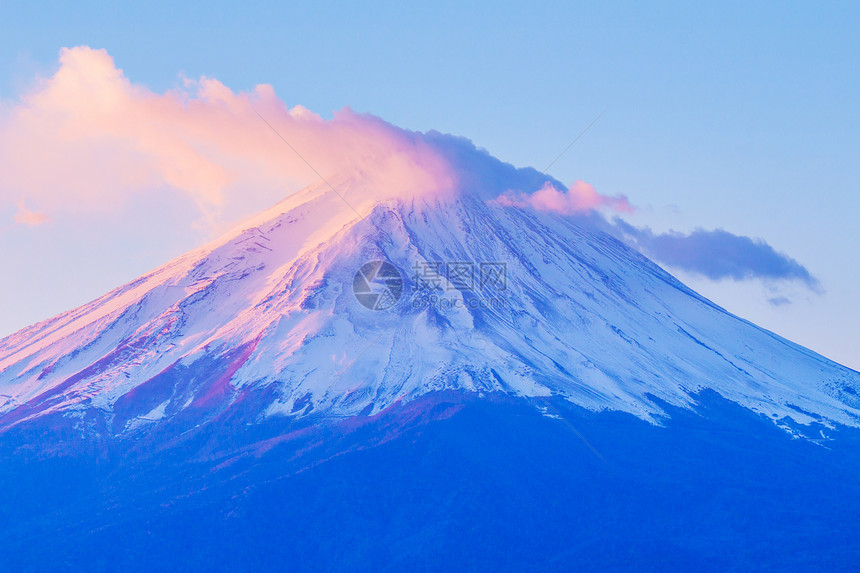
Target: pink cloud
pixel 25 216
pixel 580 198
pixel 87 139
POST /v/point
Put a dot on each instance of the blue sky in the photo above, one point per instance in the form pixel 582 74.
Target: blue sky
pixel 735 117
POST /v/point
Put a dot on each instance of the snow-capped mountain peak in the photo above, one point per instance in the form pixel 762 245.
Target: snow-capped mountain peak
pixel 491 298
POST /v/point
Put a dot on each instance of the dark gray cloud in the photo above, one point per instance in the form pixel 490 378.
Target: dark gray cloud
pixel 717 254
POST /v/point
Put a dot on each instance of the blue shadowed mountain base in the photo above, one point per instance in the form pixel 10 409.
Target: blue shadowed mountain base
pixel 449 481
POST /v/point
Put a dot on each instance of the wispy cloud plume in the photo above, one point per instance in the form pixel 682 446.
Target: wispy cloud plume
pixel 88 139
pixel 579 198
pixel 717 254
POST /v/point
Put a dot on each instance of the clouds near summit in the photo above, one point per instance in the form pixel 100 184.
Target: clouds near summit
pixel 87 139
pixel 87 142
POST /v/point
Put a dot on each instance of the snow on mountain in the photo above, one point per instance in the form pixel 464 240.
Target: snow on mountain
pixel 271 305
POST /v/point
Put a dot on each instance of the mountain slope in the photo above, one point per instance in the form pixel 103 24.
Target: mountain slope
pixel 270 307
